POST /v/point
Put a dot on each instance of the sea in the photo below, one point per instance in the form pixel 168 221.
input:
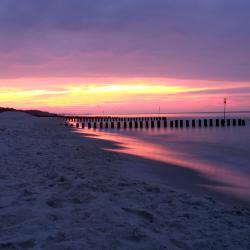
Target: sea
pixel 219 154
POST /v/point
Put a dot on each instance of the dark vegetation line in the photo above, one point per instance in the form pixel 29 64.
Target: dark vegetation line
pixel 34 112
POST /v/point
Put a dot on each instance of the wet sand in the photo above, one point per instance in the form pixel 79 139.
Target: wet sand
pixel 60 190
pixel 213 170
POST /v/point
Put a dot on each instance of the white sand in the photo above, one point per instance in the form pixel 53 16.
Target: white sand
pixel 60 191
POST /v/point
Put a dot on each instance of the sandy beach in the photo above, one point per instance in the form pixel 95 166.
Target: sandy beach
pixel 60 190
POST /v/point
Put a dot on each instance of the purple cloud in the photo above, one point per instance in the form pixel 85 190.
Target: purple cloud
pixel 193 39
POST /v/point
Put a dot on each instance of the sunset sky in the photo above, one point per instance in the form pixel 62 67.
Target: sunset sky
pixel 124 56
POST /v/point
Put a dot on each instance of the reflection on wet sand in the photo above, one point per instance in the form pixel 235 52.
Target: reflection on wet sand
pixel 232 181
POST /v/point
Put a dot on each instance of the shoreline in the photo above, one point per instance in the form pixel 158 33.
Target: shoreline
pixel 185 179
pixel 62 191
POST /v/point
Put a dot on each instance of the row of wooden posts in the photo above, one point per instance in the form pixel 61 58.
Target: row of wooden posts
pixel 149 122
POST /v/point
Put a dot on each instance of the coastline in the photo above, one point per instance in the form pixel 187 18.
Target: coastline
pixel 64 191
pixel 172 163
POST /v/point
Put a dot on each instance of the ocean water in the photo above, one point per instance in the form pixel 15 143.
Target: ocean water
pixel 219 154
pixel 239 114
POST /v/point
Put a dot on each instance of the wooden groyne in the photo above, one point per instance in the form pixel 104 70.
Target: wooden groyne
pixel 102 122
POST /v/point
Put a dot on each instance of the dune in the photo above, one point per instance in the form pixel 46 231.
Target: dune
pixel 63 191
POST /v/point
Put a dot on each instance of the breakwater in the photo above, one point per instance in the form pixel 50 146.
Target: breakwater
pixel 105 122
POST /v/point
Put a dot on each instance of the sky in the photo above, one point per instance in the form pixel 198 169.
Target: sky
pixel 117 56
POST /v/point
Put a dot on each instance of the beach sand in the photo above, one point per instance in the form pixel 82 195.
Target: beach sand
pixel 59 190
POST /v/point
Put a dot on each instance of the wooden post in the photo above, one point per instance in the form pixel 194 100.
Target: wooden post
pixel 193 123
pixel 199 123
pixel 210 122
pixel 152 124
pixel 176 123
pixel 234 122
pixel 158 124
pixel 165 123
pixel 205 122
pixel 141 124
pixel 217 122
pixel 130 124
pixel 171 124
pixel 228 122
pixel 181 123
pixel 187 123
pixel 223 123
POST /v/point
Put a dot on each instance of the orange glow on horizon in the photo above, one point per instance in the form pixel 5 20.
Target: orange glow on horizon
pixel 124 94
pixel 88 95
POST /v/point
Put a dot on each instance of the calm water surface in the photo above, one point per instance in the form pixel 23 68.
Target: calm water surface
pixel 221 154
